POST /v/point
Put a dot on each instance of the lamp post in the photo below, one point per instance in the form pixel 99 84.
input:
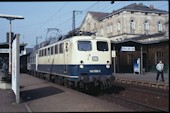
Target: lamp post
pixel 10 18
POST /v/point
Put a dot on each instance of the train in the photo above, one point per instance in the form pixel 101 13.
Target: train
pixel 82 61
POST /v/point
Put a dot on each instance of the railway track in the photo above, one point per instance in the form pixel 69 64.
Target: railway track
pixel 136 106
pixel 144 89
pixel 137 98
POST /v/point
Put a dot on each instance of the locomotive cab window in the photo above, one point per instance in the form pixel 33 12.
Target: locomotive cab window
pixel 102 46
pixel 84 46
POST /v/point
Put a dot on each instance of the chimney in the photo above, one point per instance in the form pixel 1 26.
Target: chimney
pixel 151 6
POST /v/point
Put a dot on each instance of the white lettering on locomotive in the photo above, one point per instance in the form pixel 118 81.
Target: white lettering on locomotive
pixel 95 71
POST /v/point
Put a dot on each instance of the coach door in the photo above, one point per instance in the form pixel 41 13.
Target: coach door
pixel 66 49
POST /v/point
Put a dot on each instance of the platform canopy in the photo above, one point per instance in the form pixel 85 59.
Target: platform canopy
pixel 11 17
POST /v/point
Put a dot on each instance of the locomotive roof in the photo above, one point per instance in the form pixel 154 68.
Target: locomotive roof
pixel 76 38
pixel 83 34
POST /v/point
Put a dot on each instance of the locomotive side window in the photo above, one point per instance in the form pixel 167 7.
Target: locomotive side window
pixel 56 49
pixel 84 46
pixel 102 46
pixel 61 48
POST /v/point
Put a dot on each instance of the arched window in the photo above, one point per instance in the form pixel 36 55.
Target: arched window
pixel 146 26
pixel 109 28
pixel 132 25
pixel 159 26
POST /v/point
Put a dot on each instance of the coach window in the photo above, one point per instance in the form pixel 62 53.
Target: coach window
pixel 48 51
pixel 52 50
pixel 61 48
pixel 84 46
pixel 45 52
pixel 56 49
pixel 102 46
pixel 39 54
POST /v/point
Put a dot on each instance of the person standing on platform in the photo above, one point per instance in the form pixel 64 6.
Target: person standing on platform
pixel 4 70
pixel 160 68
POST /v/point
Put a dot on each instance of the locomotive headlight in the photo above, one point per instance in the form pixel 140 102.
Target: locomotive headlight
pixel 81 66
pixel 107 66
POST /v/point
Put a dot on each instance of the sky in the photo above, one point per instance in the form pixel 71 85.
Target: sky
pixel 40 16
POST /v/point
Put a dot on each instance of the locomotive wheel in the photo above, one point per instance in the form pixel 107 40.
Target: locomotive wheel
pixel 65 82
pixel 70 84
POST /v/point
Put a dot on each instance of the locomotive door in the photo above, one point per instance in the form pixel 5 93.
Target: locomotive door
pixel 66 47
pixel 36 61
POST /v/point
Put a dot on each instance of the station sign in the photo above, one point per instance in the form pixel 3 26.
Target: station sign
pixel 16 68
pixel 127 48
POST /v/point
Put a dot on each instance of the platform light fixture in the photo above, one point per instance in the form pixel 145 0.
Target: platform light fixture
pixel 10 18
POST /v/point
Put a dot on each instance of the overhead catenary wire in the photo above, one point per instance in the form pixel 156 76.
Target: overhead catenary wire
pixel 94 6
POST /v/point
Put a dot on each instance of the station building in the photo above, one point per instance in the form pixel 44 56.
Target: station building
pixel 145 29
pixel 150 52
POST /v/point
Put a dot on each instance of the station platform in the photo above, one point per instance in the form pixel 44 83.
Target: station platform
pixel 146 79
pixel 38 95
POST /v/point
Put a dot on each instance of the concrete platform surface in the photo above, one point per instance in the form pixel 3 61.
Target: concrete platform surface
pixel 7 102
pixel 149 76
pixel 44 96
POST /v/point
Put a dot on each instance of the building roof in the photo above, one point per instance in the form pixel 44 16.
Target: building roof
pixel 143 43
pixel 98 15
pixel 138 8
pixel 141 7
pixel 143 36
